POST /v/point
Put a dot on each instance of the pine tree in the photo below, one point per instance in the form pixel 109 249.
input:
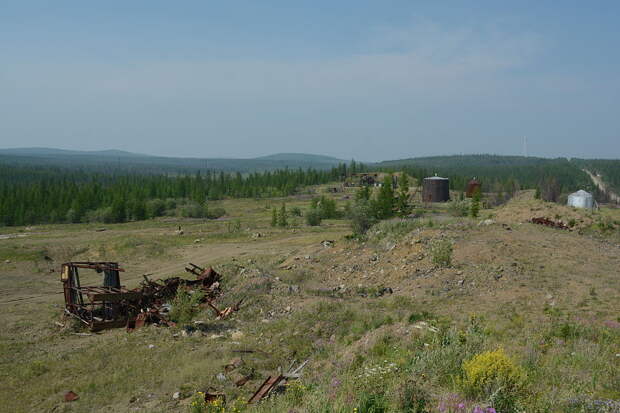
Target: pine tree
pixel 475 204
pixel 363 193
pixel 283 216
pixel 384 204
pixel 537 193
pixel 403 196
pixel 274 217
pixel 119 211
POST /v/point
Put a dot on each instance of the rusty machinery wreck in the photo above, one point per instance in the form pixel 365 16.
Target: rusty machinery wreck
pixel 112 305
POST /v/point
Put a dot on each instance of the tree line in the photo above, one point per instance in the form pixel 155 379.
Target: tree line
pixel 37 195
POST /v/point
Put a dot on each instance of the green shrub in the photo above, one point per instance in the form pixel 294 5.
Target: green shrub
pixel 441 252
pixel 325 206
pixel 296 211
pixel 155 208
pixel 361 217
pixel 393 229
pixel 313 217
pixel 185 306
pixel 458 208
pixel 214 213
pixel 192 209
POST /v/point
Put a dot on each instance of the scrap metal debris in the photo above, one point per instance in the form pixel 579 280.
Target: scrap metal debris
pixel 273 382
pixel 549 223
pixel 112 305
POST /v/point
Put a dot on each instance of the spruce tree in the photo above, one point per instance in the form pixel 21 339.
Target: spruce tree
pixel 363 193
pixel 403 196
pixel 274 217
pixel 475 204
pixel 282 216
pixel 384 204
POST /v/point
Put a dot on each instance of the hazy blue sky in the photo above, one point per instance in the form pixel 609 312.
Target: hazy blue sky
pixel 365 79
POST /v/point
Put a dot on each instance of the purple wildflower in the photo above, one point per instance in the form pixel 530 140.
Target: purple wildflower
pixel 477 410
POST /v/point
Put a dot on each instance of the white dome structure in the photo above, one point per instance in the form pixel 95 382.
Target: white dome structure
pixel 581 199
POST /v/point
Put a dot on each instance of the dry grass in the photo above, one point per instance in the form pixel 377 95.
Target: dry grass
pixel 548 297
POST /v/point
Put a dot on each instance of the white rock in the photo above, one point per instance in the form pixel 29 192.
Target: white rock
pixel 236 335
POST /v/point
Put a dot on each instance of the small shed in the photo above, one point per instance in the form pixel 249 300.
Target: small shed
pixel 581 199
pixel 436 189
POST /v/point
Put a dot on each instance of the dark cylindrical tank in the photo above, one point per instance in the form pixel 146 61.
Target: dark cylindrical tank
pixel 436 189
pixel 473 186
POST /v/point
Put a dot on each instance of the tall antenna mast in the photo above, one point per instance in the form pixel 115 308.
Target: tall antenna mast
pixel 525 146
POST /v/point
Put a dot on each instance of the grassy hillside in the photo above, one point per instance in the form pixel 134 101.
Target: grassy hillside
pixel 522 318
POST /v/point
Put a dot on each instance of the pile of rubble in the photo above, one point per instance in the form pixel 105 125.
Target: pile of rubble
pixel 112 305
pixel 549 223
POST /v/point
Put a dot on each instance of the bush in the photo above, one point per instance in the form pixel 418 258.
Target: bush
pixel 361 217
pixel 313 217
pixel 192 210
pixel 441 252
pixel 101 215
pixel 185 306
pixel 494 375
pixel 296 211
pixel 458 208
pixel 214 213
pixel 326 207
pixel 393 229
pixel 155 208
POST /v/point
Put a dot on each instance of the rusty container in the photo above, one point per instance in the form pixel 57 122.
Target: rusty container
pixel 436 189
pixel 473 186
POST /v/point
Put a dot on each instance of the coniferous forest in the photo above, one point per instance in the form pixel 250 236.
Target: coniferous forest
pixel 36 195
pixel 50 194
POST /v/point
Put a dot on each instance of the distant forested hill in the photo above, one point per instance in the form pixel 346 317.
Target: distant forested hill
pixel 121 161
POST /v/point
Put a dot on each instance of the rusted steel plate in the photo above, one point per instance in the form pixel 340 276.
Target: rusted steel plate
pixel 265 388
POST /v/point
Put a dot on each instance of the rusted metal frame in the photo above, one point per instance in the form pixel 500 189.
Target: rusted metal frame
pixel 108 266
pixel 265 388
pixel 114 297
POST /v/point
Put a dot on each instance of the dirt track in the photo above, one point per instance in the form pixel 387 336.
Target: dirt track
pixel 603 187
